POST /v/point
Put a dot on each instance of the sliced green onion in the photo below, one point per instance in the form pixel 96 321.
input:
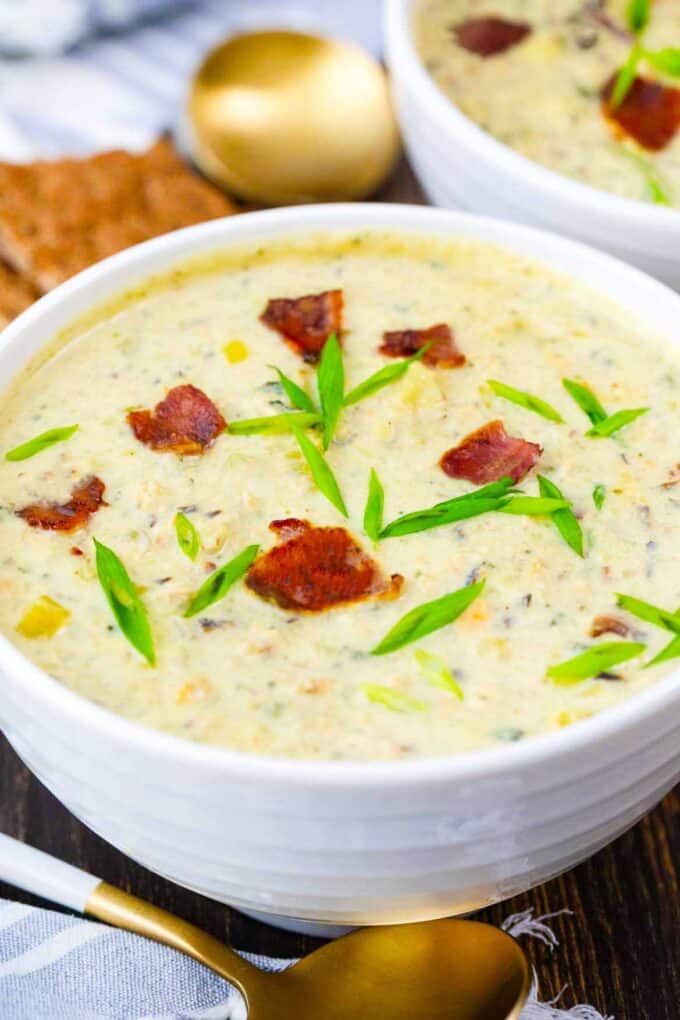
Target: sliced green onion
pixel 221 580
pixel 126 605
pixel 41 442
pixel 274 424
pixel 526 400
pixel 564 520
pixel 534 506
pixel 667 60
pixel 594 661
pixel 331 384
pixel 671 651
pixel 375 502
pixel 393 699
pixel 436 672
pixel 490 497
pixel 296 395
pixel 637 14
pixel 615 422
pixel 323 476
pixel 383 377
pixel 626 76
pixel 187 536
pixel 428 617
pixel 599 495
pixel 649 613
pixel 586 400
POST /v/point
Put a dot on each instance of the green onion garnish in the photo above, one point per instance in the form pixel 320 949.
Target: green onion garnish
pixel 428 617
pixel 383 377
pixel 564 520
pixel 187 536
pixel 637 14
pixel 651 614
pixel 594 661
pixel 490 497
pixel 375 502
pixel 126 605
pixel 331 384
pixel 274 424
pixel 586 400
pixel 322 474
pixel 221 580
pixel 393 699
pixel 436 672
pixel 616 421
pixel 599 495
pixel 41 442
pixel 534 506
pixel 296 395
pixel 671 651
pixel 526 400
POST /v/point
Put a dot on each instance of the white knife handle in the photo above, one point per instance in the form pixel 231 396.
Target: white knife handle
pixel 39 873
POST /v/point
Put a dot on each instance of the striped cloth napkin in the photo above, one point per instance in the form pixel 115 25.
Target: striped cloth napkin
pixel 57 967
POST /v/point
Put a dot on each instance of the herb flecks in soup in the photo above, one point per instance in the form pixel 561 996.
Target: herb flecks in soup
pixel 402 611
pixel 588 89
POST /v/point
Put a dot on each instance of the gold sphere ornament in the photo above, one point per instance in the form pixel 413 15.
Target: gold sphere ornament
pixel 280 118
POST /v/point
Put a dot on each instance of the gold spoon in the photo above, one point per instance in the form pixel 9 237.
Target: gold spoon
pixel 284 117
pixel 435 970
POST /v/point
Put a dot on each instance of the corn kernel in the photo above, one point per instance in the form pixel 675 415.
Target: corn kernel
pixel 43 619
pixel 235 351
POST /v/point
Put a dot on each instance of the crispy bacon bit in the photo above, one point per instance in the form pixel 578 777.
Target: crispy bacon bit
pixel 186 421
pixel 609 625
pixel 305 323
pixel 86 498
pixel 443 351
pixel 649 113
pixel 317 568
pixel 489 454
pixel 488 36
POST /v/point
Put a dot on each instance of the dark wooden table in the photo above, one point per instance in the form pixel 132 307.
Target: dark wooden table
pixel 620 949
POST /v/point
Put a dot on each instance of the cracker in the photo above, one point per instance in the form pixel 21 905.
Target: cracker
pixel 16 293
pixel 57 218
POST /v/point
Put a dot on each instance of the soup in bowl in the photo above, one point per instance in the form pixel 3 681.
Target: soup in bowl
pixel 356 522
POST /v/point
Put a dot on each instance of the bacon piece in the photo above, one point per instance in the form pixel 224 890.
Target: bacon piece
pixel 443 352
pixel 489 454
pixel 86 498
pixel 488 36
pixel 313 569
pixel 186 421
pixel 305 323
pixel 609 625
pixel 649 113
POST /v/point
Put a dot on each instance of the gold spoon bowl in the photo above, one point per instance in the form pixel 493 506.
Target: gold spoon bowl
pixel 280 118
pixel 435 970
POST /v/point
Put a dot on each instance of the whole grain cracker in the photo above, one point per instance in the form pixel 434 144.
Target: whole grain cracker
pixel 57 218
pixel 16 293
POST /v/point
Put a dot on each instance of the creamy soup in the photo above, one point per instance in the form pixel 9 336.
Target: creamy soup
pixel 261 670
pixel 540 88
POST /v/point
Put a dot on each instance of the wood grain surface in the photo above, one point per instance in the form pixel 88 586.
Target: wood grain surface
pixel 619 948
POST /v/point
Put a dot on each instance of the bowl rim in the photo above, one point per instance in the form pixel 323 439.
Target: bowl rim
pixel 404 61
pixel 181 246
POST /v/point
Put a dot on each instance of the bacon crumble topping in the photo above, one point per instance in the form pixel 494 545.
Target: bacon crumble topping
pixel 649 113
pixel 489 36
pixel 606 624
pixel 306 323
pixel 186 421
pixel 86 498
pixel 442 353
pixel 313 569
pixel 489 454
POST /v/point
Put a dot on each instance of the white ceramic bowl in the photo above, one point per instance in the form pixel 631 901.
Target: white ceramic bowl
pixel 342 843
pixel 462 166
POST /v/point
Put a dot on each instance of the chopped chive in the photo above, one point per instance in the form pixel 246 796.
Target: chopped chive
pixel 490 497
pixel 274 424
pixel 586 400
pixel 595 660
pixel 187 536
pixel 296 395
pixel 428 617
pixel 649 613
pixel 526 400
pixel 322 474
pixel 534 506
pixel 375 502
pixel 41 442
pixel 331 385
pixel 126 605
pixel 436 672
pixel 564 520
pixel 615 422
pixel 599 495
pixel 393 699
pixel 383 377
pixel 221 580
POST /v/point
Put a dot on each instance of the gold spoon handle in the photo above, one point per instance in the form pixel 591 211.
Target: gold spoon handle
pixel 123 910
